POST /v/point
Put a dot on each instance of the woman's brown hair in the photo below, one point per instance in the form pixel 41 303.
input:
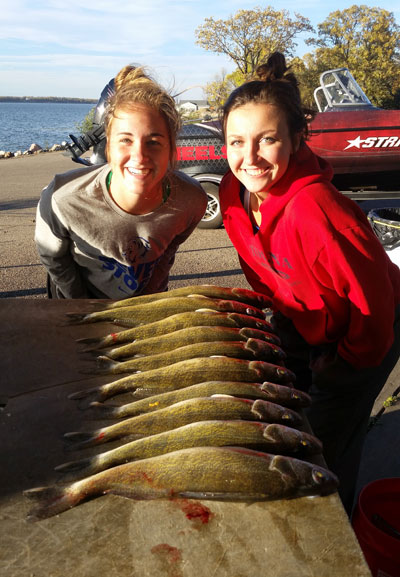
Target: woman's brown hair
pixel 274 84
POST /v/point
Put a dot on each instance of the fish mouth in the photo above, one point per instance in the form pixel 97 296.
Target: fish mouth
pixel 325 480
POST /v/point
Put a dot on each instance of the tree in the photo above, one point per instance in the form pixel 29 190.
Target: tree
pixel 218 90
pixel 87 123
pixel 365 40
pixel 249 36
pixel 308 79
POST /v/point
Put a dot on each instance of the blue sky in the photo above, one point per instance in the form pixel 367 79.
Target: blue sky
pixel 74 47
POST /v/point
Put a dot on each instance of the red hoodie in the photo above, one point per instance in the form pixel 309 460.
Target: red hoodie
pixel 318 258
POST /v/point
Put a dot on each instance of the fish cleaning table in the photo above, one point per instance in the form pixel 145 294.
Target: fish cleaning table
pixel 112 536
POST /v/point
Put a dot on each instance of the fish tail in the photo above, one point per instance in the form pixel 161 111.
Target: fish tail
pixel 85 393
pixel 74 466
pixel 103 392
pixel 104 411
pixel 78 318
pixel 104 365
pixel 91 353
pixel 89 341
pixel 96 305
pixel 99 342
pixel 95 351
pixel 80 439
pixel 73 471
pixel 50 501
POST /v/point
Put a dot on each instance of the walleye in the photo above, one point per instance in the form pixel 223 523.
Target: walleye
pixel 154 311
pixel 246 296
pixel 188 336
pixel 217 407
pixel 270 438
pixel 189 372
pixel 201 472
pixel 182 321
pixel 250 349
pixel 286 396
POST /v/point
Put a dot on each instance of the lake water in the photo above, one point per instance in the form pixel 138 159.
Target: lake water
pixel 25 123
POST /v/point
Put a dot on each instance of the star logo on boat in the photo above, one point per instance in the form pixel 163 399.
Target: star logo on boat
pixel 356 142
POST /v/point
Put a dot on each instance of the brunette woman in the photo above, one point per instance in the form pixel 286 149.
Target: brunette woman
pixel 335 292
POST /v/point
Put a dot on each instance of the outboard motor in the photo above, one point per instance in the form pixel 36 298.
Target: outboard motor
pixel 96 137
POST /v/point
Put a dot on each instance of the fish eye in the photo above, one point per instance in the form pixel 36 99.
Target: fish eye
pixel 318 476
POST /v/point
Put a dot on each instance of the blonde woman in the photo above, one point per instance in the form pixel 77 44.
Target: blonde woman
pixel 113 231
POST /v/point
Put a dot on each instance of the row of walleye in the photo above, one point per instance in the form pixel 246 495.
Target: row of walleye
pixel 211 413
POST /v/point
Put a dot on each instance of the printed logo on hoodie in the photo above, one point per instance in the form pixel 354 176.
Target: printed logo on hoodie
pixel 132 278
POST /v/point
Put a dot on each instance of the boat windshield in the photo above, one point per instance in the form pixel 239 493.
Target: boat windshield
pixel 339 90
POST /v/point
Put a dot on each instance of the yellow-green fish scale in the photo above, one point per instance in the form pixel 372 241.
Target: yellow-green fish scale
pixel 211 291
pixel 272 438
pixel 201 472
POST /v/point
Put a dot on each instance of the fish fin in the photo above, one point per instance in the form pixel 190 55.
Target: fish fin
pixel 260 409
pixel 139 492
pixel 49 501
pixel 220 496
pixel 199 296
pixel 128 323
pixel 143 393
pixel 253 345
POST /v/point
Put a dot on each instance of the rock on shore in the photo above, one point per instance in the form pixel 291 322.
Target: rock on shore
pixel 33 149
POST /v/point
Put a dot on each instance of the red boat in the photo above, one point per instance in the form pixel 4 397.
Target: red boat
pixel 361 142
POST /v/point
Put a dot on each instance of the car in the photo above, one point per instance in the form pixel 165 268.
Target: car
pixel 201 153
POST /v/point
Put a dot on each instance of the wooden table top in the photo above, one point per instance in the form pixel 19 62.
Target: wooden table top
pixel 113 536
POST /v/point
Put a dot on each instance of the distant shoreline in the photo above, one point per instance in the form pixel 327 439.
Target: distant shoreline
pixel 47 99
